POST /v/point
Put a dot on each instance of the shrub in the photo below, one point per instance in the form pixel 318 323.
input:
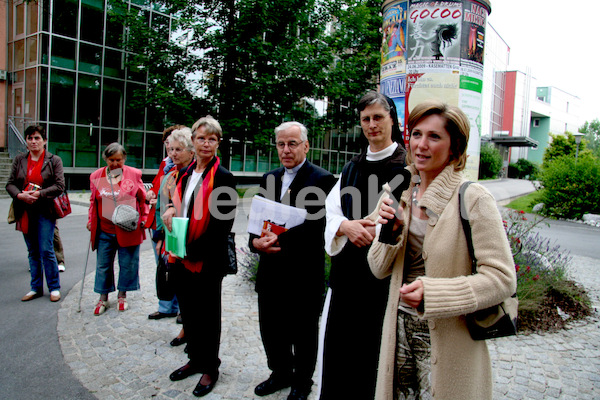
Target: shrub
pixel 490 161
pixel 248 264
pixel 543 287
pixel 523 169
pixel 572 187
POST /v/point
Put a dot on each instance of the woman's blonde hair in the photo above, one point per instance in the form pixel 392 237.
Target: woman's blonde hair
pixel 211 125
pixel 457 125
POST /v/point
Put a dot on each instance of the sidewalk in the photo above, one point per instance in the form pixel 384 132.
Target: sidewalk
pixel 126 356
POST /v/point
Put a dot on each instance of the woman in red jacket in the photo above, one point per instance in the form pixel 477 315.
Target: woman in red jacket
pixel 36 177
pixel 116 184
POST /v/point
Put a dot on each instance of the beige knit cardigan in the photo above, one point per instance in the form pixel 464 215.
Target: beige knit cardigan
pixel 460 366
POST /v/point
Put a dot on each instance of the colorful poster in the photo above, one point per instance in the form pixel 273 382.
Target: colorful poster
pixel 434 34
pixel 393 54
pixel 393 45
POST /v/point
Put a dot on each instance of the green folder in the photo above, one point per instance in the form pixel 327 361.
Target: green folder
pixel 175 240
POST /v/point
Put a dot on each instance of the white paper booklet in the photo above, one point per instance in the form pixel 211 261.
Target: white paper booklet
pixel 262 209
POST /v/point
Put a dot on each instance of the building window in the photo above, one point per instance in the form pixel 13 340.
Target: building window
pixel 62 95
pixel 536 122
pixel 64 17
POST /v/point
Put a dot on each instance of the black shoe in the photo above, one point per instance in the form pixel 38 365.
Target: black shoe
pixel 298 394
pixel 160 315
pixel 183 372
pixel 179 320
pixel 272 385
pixel 203 390
pixel 178 341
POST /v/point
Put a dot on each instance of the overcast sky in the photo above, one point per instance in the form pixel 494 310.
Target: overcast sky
pixel 558 40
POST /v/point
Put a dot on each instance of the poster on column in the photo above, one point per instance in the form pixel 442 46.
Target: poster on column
pixel 434 51
pixel 471 78
pixel 393 54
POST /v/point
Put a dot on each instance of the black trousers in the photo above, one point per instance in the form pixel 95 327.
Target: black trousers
pixel 289 327
pixel 199 296
pixel 352 340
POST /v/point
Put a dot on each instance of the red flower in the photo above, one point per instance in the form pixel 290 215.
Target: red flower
pixel 535 278
pixel 528 268
pixel 517 268
pixel 521 212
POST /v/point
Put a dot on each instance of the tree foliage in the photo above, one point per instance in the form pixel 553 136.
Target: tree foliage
pixel 254 63
pixel 562 145
pixel 592 136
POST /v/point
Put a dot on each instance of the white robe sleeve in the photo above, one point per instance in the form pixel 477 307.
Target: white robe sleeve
pixel 334 215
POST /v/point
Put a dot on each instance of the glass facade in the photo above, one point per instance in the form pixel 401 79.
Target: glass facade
pixel 68 72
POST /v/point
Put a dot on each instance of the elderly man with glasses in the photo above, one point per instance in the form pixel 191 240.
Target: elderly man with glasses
pixel 290 278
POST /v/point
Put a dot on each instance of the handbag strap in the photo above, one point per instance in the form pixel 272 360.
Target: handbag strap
pixel 111 186
pixel 462 209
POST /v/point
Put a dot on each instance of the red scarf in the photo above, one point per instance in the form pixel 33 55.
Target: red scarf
pixel 201 211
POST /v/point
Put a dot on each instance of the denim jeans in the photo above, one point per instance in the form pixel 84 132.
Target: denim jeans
pixel 168 306
pixel 129 265
pixel 40 247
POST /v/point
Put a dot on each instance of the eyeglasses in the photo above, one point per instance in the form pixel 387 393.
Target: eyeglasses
pixel 292 145
pixel 211 141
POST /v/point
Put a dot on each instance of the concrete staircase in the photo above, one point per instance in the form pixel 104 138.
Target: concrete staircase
pixel 5 164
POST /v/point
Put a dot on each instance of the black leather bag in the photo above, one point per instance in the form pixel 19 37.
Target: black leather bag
pixel 165 289
pixel 492 322
pixel 231 267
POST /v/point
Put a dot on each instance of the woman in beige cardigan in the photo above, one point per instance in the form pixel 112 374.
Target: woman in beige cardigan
pixel 426 349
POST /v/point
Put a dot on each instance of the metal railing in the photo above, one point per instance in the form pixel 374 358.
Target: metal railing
pixel 16 142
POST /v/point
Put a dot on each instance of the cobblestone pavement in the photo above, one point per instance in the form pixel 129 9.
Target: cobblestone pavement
pixel 126 356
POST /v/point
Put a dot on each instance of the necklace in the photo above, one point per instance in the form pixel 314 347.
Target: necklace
pixel 113 175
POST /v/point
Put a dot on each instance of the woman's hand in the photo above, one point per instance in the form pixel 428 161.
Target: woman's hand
pixel 150 195
pixel 360 232
pixel 89 226
pixel 167 218
pixel 28 196
pixel 388 213
pixel 158 246
pixel 267 243
pixel 412 294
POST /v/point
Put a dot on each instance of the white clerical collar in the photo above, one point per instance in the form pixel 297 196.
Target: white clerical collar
pixel 295 169
pixel 381 154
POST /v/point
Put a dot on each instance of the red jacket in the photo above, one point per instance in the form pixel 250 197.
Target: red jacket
pixel 131 192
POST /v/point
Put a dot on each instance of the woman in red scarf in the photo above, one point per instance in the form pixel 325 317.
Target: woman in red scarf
pixel 35 179
pixel 206 195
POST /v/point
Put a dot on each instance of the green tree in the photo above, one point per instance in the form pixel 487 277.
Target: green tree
pixel 592 136
pixel 562 145
pixel 256 62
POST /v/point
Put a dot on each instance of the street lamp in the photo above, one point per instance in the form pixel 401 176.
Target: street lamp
pixel 578 137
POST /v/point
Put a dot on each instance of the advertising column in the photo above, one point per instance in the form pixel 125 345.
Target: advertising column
pixel 441 57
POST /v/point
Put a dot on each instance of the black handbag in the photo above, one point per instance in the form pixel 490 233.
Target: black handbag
pixel 496 321
pixel 165 289
pixel 231 267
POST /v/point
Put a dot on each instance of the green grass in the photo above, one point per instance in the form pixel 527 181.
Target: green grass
pixel 526 202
